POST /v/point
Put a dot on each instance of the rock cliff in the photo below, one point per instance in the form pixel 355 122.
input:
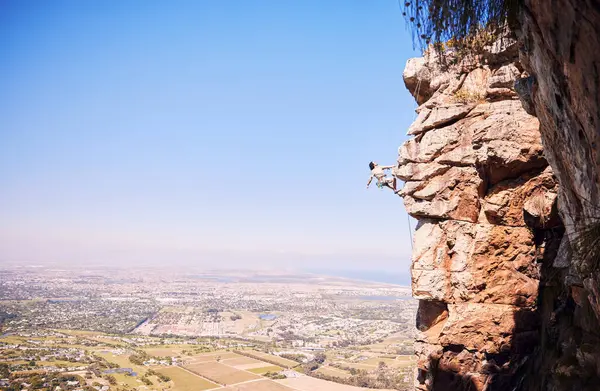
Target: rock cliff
pixel 560 49
pixel 485 198
pixel 506 262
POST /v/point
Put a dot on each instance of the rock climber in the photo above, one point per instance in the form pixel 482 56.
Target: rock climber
pixel 378 172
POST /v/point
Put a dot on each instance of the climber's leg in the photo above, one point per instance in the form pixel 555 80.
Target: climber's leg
pixel 391 183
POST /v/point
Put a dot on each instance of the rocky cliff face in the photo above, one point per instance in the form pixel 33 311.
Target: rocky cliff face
pixel 560 49
pixel 506 263
pixel 485 199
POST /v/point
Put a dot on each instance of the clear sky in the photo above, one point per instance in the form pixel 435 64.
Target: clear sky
pixel 215 133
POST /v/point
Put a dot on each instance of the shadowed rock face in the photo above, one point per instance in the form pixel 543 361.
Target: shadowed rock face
pixel 560 49
pixel 477 181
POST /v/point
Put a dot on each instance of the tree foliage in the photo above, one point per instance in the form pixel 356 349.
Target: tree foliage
pixel 587 247
pixel 438 21
pixel 111 380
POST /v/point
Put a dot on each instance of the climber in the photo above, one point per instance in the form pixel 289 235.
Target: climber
pixel 378 172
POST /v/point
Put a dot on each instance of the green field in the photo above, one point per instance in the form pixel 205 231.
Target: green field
pixel 400 361
pixel 176 350
pixel 357 365
pixel 79 332
pixel 82 347
pixel 284 362
pixel 263 370
pixel 186 381
pixel 165 351
pixel 12 339
pixel 329 371
pixel 212 356
pixel 129 380
pixel 122 360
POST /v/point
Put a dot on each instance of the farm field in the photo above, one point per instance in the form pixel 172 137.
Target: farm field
pixel 205 357
pixel 390 344
pixel 241 361
pixel 284 362
pixel 163 352
pixel 190 321
pixel 186 381
pixel 121 360
pixel 247 367
pixel 261 385
pixel 307 383
pixel 221 373
pixel 171 350
pixel 358 365
pixel 72 346
pixel 12 339
pixel 330 371
pixel 400 361
pixel 173 326
pixel 263 370
pixel 131 381
pixel 241 326
pixel 211 369
pixel 79 332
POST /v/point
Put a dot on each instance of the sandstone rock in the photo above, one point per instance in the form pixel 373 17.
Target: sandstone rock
pixel 487 328
pixel 409 188
pixel 432 352
pixel 427 357
pixel 438 117
pixel 417 75
pixel 504 77
pixel 458 202
pixel 540 209
pixel 563 258
pixel 478 182
pixel 435 143
pixel 455 261
pixel 498 137
pixel 506 139
pixel 420 171
pixel 495 94
pixel 525 88
pixel 451 194
pixel 507 202
pixel 460 361
pixel 559 49
pixel 430 314
pixel 477 81
pixel 504 50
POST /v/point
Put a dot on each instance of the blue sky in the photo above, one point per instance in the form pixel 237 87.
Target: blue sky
pixel 214 133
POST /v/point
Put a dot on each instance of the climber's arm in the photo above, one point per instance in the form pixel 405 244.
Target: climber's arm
pixel 387 167
pixel 370 179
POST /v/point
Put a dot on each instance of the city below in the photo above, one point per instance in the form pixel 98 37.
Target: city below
pixel 101 328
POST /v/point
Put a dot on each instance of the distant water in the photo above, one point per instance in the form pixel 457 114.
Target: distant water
pixel 267 316
pixel 367 275
pixel 214 277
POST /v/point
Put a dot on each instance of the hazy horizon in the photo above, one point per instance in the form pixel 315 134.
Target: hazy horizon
pixel 205 134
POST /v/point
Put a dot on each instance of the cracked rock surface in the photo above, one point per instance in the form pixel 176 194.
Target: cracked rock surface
pixel 477 181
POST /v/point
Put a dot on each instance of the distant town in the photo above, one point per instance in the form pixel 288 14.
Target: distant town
pixel 158 329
